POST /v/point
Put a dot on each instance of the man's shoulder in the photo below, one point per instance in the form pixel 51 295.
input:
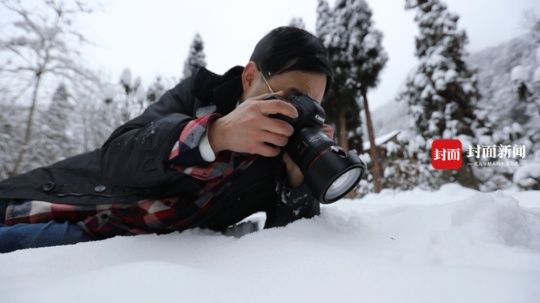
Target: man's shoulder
pixel 206 81
pixel 211 88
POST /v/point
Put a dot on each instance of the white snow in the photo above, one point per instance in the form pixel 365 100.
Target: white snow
pixel 450 76
pixel 110 91
pixel 371 41
pixel 527 175
pixel 453 245
pixel 381 139
pixel 420 80
pixel 125 77
pixel 518 74
pixel 536 75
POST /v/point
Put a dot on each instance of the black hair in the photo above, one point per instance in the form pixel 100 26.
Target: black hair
pixel 289 48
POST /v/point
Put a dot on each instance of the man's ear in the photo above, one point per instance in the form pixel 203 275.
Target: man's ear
pixel 249 75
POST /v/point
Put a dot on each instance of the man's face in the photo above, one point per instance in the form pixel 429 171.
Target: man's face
pixel 310 84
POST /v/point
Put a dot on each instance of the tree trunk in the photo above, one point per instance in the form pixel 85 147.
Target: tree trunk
pixel 343 137
pixel 28 132
pixel 377 171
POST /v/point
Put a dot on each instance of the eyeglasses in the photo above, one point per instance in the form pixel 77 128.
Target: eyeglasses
pixel 268 84
pixel 266 81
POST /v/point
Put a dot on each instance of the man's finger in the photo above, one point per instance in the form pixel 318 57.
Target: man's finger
pixel 266 150
pixel 270 107
pixel 276 126
pixel 264 96
pixel 328 130
pixel 276 139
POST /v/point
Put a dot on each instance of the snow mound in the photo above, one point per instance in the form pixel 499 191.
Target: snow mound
pixel 518 74
pixel 497 220
pixel 528 176
pixel 452 245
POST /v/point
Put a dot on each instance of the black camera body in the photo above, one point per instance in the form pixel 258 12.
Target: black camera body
pixel 310 112
pixel 328 170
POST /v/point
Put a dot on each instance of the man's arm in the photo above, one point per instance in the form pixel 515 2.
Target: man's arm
pixel 156 147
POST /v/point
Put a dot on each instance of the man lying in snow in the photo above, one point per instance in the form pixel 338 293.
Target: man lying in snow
pixel 196 158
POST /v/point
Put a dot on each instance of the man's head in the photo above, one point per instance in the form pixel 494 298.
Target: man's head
pixel 288 59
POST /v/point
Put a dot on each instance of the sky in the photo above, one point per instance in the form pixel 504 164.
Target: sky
pixel 152 37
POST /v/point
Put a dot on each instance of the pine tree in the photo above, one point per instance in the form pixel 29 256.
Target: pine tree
pixel 196 57
pixel 126 107
pixel 133 96
pixel 59 116
pixel 54 140
pixel 125 81
pixel 323 19
pixel 109 113
pixel 357 56
pixel 340 105
pixel 155 90
pixel 370 58
pixel 139 95
pixel 93 121
pixel 442 91
pixel 11 134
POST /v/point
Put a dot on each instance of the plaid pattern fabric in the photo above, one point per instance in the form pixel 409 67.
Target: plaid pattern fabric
pixel 146 216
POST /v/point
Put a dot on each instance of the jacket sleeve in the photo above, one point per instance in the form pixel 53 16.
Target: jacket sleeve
pixel 292 204
pixel 156 147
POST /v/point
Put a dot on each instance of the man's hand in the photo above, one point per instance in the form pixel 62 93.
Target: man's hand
pixel 296 178
pixel 248 127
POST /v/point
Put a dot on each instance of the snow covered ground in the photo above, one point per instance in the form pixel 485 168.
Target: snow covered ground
pixel 453 245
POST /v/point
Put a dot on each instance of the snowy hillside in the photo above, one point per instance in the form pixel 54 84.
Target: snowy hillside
pixel 510 89
pixel 500 66
pixel 453 245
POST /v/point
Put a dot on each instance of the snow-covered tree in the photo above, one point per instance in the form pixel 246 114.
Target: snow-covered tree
pixel 41 41
pixel 11 135
pixel 340 104
pixel 512 121
pixel 133 95
pixel 94 118
pixel 356 52
pixel 155 90
pixel 196 57
pixel 126 80
pixel 442 90
pixel 519 78
pixel 139 94
pixel 368 56
pixel 323 18
pixel 297 22
pixel 53 130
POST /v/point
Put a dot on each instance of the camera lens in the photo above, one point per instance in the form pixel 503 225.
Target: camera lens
pixel 343 184
pixel 329 171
